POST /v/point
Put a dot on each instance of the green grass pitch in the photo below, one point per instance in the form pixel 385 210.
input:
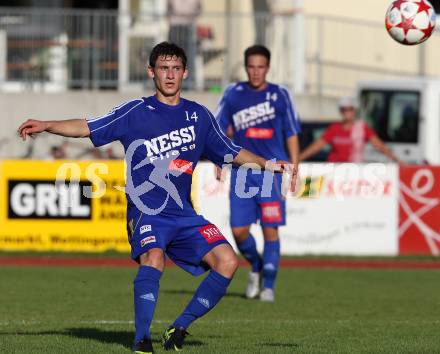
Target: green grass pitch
pixel 89 310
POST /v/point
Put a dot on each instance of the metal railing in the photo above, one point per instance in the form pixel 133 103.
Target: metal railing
pixel 55 50
pixel 60 49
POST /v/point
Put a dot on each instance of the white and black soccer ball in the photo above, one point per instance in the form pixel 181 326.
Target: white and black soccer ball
pixel 410 21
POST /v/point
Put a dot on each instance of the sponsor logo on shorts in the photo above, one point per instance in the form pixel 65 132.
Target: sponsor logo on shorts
pixel 149 297
pixel 271 212
pixel 204 302
pixel 144 228
pixel 211 233
pixel 147 240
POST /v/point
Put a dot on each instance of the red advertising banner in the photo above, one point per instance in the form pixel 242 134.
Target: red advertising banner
pixel 419 210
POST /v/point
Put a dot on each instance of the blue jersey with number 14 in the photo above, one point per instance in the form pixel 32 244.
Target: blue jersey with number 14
pixel 163 145
pixel 261 120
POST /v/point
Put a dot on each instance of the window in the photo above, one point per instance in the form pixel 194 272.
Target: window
pixel 394 115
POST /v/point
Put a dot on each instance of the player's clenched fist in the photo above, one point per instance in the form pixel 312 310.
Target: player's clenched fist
pixel 30 127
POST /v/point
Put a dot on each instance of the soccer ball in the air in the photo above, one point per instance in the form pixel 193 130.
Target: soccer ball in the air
pixel 410 21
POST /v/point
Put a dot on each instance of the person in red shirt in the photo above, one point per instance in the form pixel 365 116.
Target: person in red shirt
pixel 348 137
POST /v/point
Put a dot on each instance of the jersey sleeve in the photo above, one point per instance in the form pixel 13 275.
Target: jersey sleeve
pixel 292 124
pixel 369 133
pixel 217 144
pixel 223 114
pixel 113 125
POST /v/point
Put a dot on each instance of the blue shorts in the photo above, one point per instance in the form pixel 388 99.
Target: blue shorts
pixel 267 205
pixel 184 239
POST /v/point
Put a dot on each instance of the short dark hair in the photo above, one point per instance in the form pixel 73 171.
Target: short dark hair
pixel 256 49
pixel 167 49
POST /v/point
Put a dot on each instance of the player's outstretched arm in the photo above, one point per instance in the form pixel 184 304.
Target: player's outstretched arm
pixel 73 128
pixel 313 149
pixel 247 157
pixel 383 148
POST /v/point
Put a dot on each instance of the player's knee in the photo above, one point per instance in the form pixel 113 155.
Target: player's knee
pixel 228 264
pixel 240 233
pixel 153 258
pixel 234 263
pixel 271 238
pixel 270 234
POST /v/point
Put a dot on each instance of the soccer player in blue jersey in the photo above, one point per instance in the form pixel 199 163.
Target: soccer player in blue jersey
pixel 260 117
pixel 164 136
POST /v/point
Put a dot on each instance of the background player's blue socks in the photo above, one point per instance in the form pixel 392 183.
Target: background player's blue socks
pixel 271 260
pixel 208 294
pixel 248 248
pixel 146 288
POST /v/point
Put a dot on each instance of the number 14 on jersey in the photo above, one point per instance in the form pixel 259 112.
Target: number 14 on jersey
pixel 193 116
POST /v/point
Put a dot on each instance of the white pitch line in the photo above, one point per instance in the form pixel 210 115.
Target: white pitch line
pixel 217 322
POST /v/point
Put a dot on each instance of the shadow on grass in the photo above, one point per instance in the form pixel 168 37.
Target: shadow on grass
pixel 124 338
pixel 191 292
pixel 117 337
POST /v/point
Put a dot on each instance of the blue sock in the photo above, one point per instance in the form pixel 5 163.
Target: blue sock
pixel 271 260
pixel 146 289
pixel 208 294
pixel 248 248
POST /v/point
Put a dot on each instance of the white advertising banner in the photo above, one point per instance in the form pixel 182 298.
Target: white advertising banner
pixel 337 209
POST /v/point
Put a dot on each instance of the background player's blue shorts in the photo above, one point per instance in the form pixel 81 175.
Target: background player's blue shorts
pixel 268 205
pixel 184 239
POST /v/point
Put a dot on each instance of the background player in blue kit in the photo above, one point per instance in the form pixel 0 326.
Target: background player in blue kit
pixel 260 117
pixel 164 136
